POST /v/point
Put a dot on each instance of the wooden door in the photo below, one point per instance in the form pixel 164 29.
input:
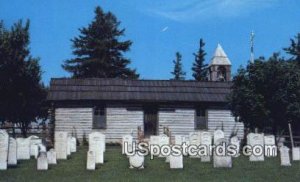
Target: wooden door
pixel 150 121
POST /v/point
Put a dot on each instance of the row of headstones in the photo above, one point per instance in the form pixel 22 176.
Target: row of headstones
pixel 12 150
pixel 205 138
pixel 258 139
pixel 64 145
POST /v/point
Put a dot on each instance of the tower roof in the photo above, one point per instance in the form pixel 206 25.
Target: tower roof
pixel 220 57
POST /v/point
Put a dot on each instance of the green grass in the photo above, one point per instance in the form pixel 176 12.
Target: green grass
pixel 116 169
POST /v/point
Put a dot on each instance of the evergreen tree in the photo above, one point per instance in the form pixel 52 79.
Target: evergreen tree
pixel 22 95
pixel 294 49
pixel 178 72
pixel 199 67
pixel 98 50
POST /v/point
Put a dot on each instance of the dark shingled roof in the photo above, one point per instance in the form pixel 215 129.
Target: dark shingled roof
pixel 64 89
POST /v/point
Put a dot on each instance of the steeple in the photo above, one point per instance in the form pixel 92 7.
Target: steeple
pixel 220 57
pixel 220 66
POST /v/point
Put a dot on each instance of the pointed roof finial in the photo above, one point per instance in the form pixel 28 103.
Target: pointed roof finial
pixel 220 57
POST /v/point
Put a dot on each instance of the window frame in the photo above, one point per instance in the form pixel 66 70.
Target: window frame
pixel 202 116
pixel 97 110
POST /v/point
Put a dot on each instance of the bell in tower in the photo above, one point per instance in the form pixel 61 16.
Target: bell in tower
pixel 220 66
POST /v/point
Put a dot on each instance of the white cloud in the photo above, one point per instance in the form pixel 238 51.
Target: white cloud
pixel 206 9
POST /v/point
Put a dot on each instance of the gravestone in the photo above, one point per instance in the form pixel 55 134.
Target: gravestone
pixel 128 141
pixel 69 145
pixel 206 140
pixel 34 150
pixel 12 152
pixel 97 145
pixel 23 148
pixel 236 142
pixel 51 156
pixel 256 141
pixel 3 149
pixel 194 139
pixel 269 142
pixel 281 141
pixel 73 147
pixel 34 142
pixel 222 161
pixel 218 134
pixel 154 140
pixel 176 162
pixel 285 156
pixel 136 161
pixel 91 160
pixel 163 140
pixel 296 153
pixel 42 161
pixel 60 145
pixel 180 140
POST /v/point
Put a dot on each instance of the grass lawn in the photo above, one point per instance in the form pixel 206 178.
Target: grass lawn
pixel 116 169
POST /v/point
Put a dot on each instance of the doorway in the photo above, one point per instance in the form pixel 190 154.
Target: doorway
pixel 150 121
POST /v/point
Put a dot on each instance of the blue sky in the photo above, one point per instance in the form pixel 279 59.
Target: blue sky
pixel 159 28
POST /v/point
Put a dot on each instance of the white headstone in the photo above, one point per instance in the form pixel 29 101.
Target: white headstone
pixel 42 161
pixel 206 140
pixel 236 142
pixel 91 160
pixel 23 148
pixel 270 146
pixel 163 140
pixel 12 152
pixel 256 141
pixel 34 142
pixel 97 144
pixel 3 149
pixel 73 147
pixel 296 153
pixel 218 134
pixel 127 144
pixel 285 156
pixel 69 145
pixel 136 161
pixel 51 156
pixel 154 140
pixel 180 140
pixel 222 161
pixel 194 139
pixel 61 143
pixel 34 150
pixel 176 162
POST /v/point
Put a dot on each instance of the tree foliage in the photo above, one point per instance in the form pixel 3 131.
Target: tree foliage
pixel 178 73
pixel 199 67
pixel 294 49
pixel 98 50
pixel 266 94
pixel 22 94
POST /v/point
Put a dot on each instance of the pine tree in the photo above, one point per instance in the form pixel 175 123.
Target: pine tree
pixel 294 48
pixel 98 50
pixel 178 72
pixel 199 68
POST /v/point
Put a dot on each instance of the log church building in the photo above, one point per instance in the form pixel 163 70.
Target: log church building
pixel 118 107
